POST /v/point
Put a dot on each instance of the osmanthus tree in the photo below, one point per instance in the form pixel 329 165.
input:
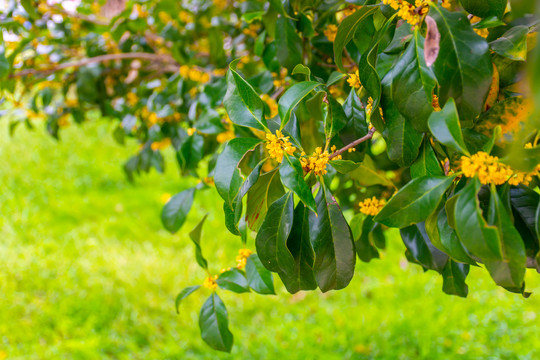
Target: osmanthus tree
pixel 319 123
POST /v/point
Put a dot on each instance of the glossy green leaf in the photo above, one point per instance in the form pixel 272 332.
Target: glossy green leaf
pixel 265 191
pixel 332 243
pixel 288 43
pixel 478 237
pixel 444 125
pixel 414 84
pixel 233 280
pixel 334 78
pixel 226 173
pixel 414 202
pixel 361 227
pixel 195 236
pixel 184 294
pixel 485 8
pixel 422 250
pixel 344 166
pixel 30 7
pixel 214 324
pixel 271 240
pixel 454 275
pixel 508 272
pixel 258 277
pixel 367 174
pixel 346 32
pixel 524 202
pixel 292 177
pixel 175 211
pixel 242 102
pixel 336 119
pixel 538 221
pixel 292 97
pixel 512 44
pixel 449 240
pixel 427 163
pixel 302 69
pixel 463 67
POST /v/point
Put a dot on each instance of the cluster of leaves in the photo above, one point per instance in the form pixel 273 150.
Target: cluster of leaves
pixel 399 102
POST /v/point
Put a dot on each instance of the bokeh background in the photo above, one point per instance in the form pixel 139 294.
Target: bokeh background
pixel 88 272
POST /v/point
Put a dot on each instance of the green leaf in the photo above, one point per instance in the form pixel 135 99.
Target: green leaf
pixel 195 236
pixel 214 324
pixel 288 42
pixel 259 278
pixel 302 69
pixel 414 83
pixel 485 8
pixel 226 173
pixel 332 243
pixel 414 202
pixel 449 240
pixel 184 294
pixel 265 191
pixel 175 211
pixel 427 163
pixel 510 270
pixel 233 280
pixel 463 67
pixel 478 237
pixel 300 247
pixel 4 66
pixel 292 97
pixel 512 44
pixel 344 166
pixel 292 177
pixel 30 7
pixel 243 104
pixel 403 141
pixel 538 221
pixel 271 240
pixel 422 250
pixel 524 203
pixel 454 275
pixel 444 125
pixel 336 119
pixel 334 77
pixel 361 227
pixel 346 32
pixel 367 174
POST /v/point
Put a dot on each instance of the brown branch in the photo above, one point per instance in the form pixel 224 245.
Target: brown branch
pixel 354 144
pixel 166 59
pixel 335 66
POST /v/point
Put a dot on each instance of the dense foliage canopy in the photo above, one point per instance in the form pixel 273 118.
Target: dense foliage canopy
pixel 319 123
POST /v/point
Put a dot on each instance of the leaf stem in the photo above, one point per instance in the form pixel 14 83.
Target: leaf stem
pixel 355 143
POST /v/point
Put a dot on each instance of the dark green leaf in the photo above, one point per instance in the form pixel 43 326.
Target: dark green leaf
pixel 233 280
pixel 418 243
pixel 344 166
pixel 361 227
pixel 288 42
pixel 214 324
pixel 414 202
pixel 195 236
pixel 332 243
pixel 427 163
pixel 265 191
pixel 292 97
pixel 454 275
pixel 334 78
pixel 444 125
pixel 403 141
pixel 184 294
pixel 513 43
pixel 485 8
pixel 292 176
pixel 336 119
pixel 449 240
pixel 259 278
pixel 175 211
pixel 463 67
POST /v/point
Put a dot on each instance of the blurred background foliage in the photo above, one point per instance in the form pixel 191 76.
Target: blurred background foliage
pixel 87 272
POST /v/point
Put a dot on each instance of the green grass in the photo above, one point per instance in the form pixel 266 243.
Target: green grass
pixel 87 272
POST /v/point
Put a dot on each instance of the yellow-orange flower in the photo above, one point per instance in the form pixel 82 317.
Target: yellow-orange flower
pixel 159 145
pixel 435 103
pixel 371 206
pixel 277 145
pixel 330 32
pixel 488 168
pixel 241 259
pixel 354 80
pixel 210 282
pixel 413 14
pixel 316 162
pixel 272 104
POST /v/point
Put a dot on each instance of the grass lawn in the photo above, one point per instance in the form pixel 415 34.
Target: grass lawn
pixel 87 272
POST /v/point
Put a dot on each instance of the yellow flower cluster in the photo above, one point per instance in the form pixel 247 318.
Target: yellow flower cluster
pixel 191 131
pixel 141 13
pixel 210 282
pixel 413 14
pixel 446 4
pixel 351 10
pixel 317 161
pixel 354 80
pixel 279 81
pixel 272 104
pixel 482 32
pixel 193 74
pixel 159 145
pixel 330 32
pixel 251 30
pixel 435 103
pixel 490 171
pixel 277 145
pixel 132 99
pixel 220 4
pixel 241 259
pixel 185 17
pixel 165 197
pixel 20 19
pixel 371 206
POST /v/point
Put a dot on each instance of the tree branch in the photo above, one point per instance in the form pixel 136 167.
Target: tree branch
pixel 166 59
pixel 354 144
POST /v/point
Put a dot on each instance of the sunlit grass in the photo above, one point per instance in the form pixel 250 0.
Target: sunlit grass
pixel 87 272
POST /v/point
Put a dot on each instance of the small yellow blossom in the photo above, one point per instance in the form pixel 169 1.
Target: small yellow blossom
pixel 371 206
pixel 488 168
pixel 351 10
pixel 316 162
pixel 482 32
pixel 225 136
pixel 210 282
pixel 43 7
pixel 241 259
pixel 251 30
pixel 272 104
pixel 132 99
pixel 330 32
pixel 141 13
pixel 208 180
pixel 185 17
pixel 95 8
pixel 413 14
pixel 354 80
pixel 220 4
pixel 20 19
pixel 435 103
pixel 191 131
pixel 446 4
pixel 277 145
pixel 165 197
pixel 159 145
pixel 72 103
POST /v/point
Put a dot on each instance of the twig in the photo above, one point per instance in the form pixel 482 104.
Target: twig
pixel 278 93
pixel 355 143
pixel 101 58
pixel 335 66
